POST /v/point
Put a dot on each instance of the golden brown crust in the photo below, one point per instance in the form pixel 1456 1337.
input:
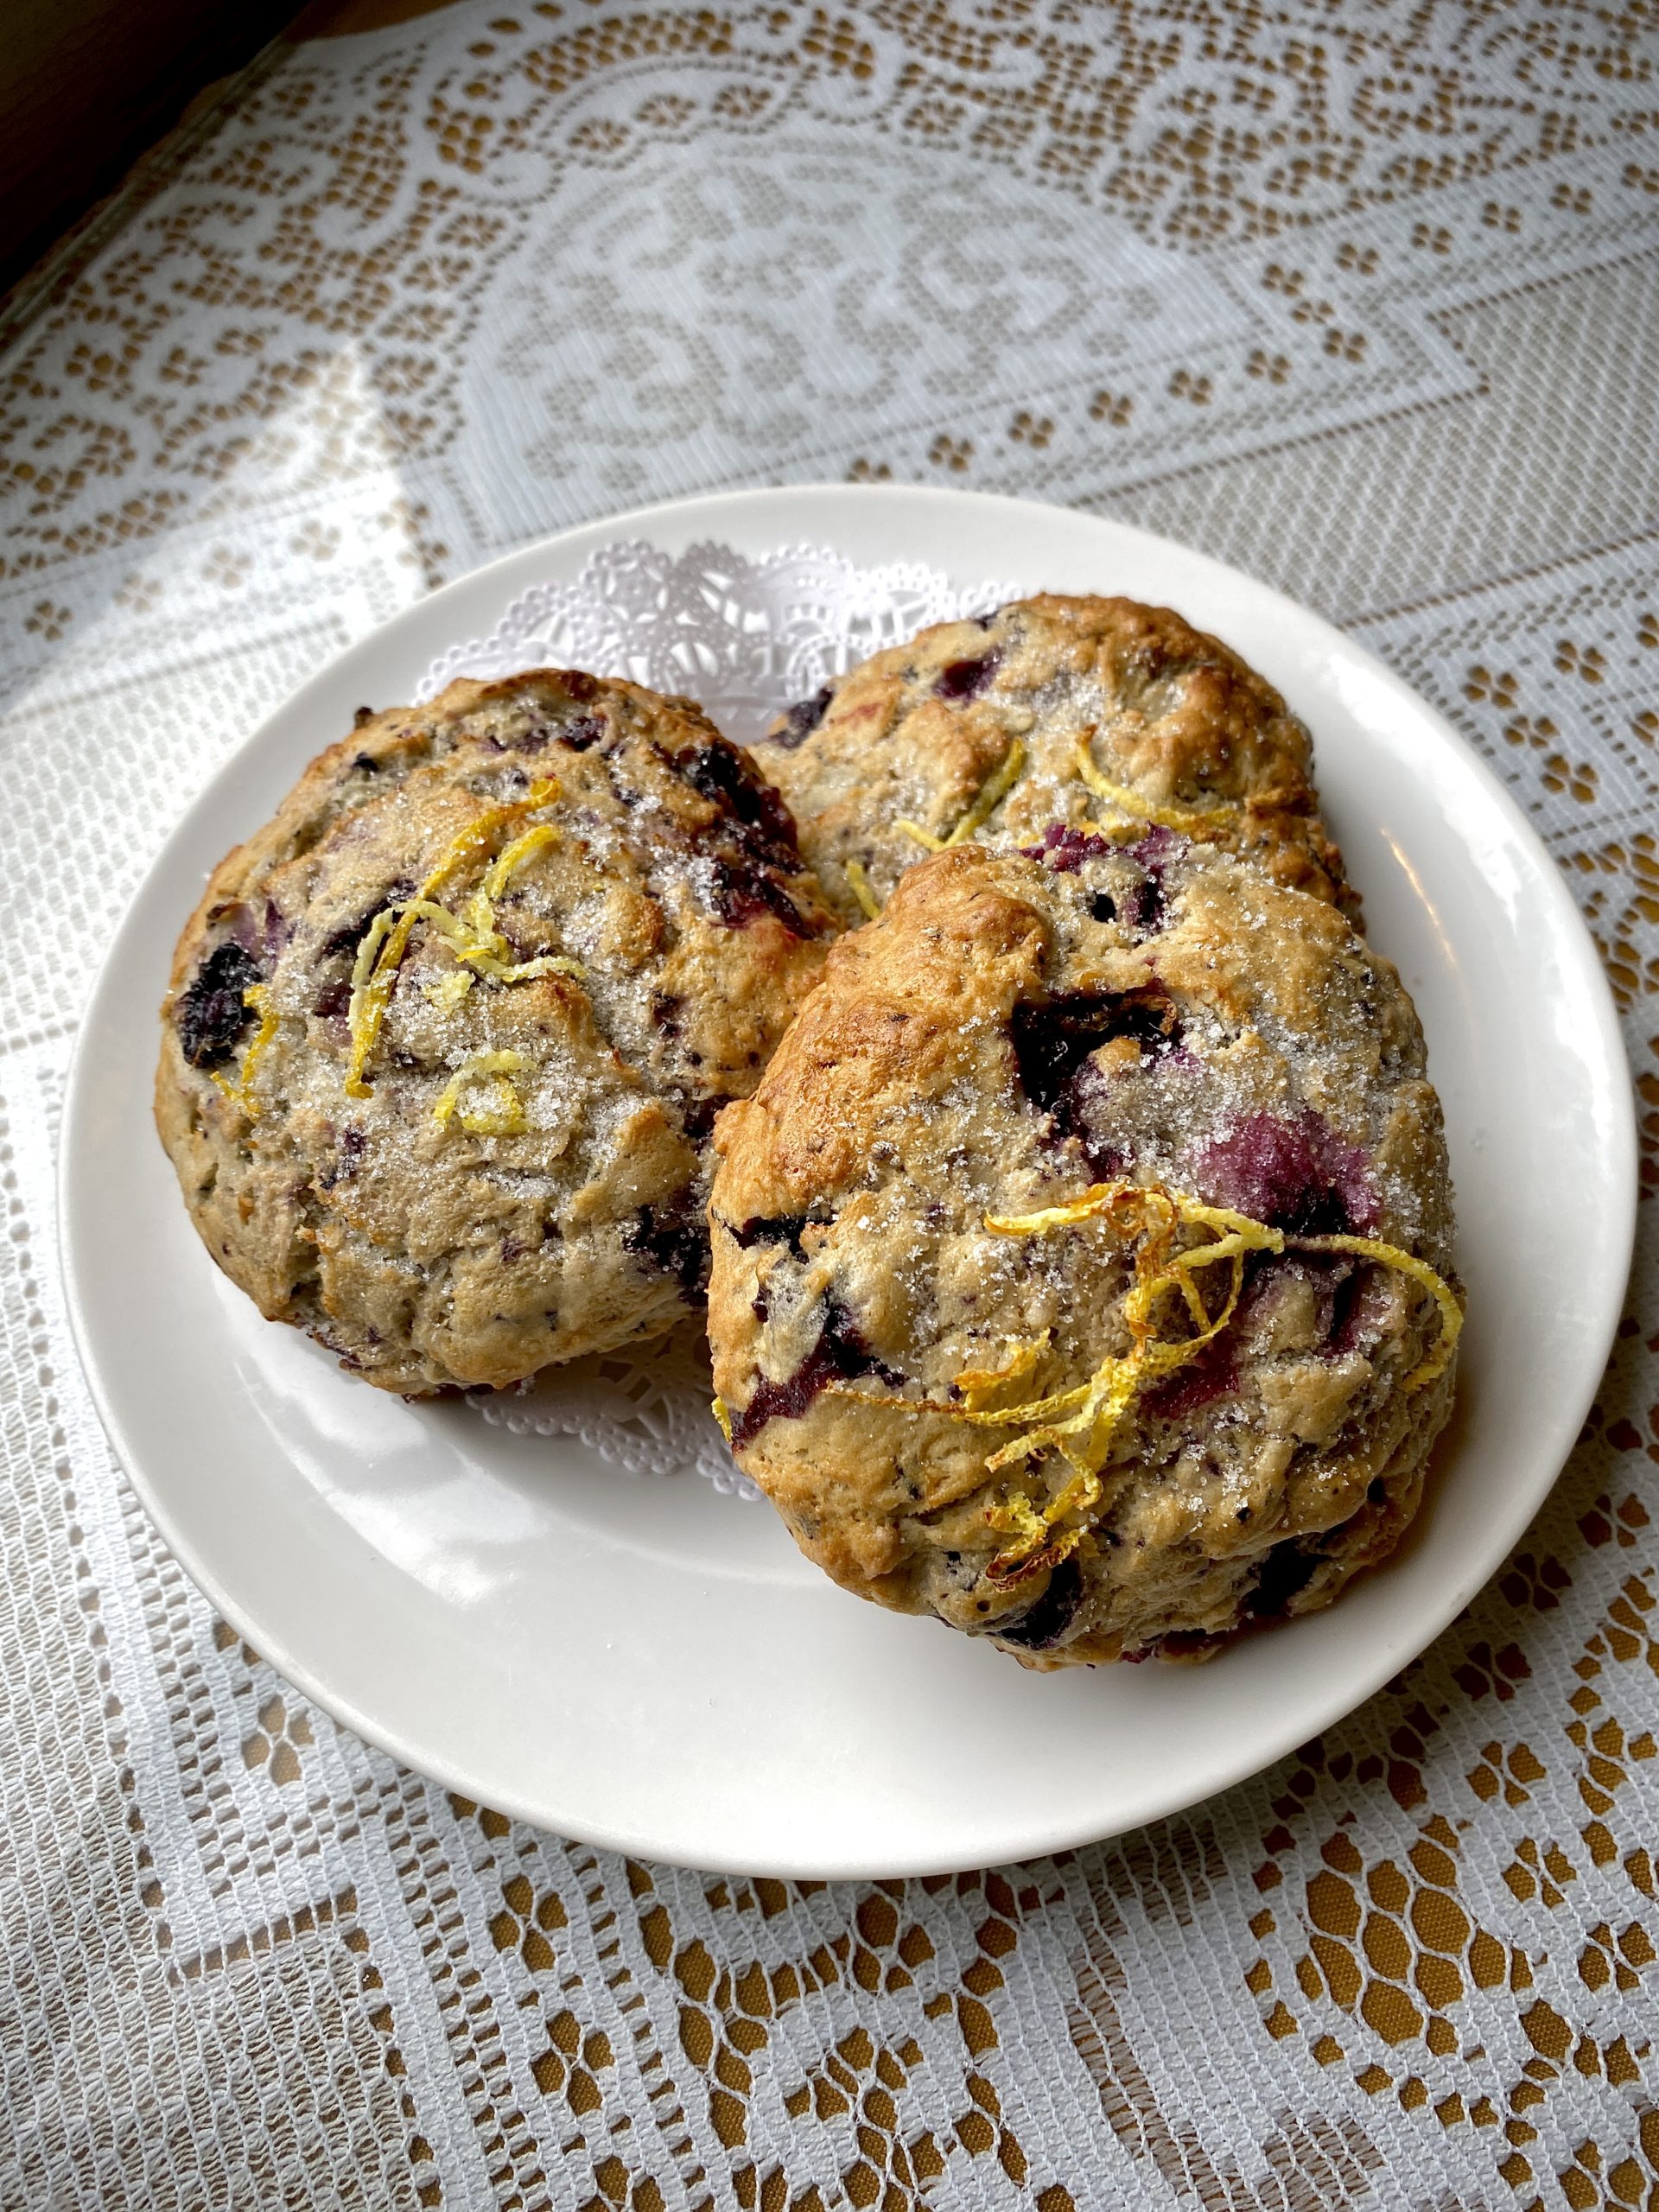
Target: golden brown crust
pixel 1168 712
pixel 666 929
pixel 1008 1034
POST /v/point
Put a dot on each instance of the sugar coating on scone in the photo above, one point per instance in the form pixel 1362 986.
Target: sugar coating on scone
pixel 1081 1264
pixel 1088 711
pixel 445 1040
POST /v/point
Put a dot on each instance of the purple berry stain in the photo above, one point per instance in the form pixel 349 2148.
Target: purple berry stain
pixel 1144 907
pixel 674 1238
pixel 1299 1176
pixel 785 1229
pixel 1065 847
pixel 1053 1040
pixel 746 882
pixel 1043 1623
pixel 763 823
pixel 743 893
pixel 1212 1375
pixel 1288 1568
pixel 839 1356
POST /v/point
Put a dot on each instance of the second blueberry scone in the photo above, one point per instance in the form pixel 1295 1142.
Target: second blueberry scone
pixel 446 1038
pixel 1082 1267
pixel 1054 708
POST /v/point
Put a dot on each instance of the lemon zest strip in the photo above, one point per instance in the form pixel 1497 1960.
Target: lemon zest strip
pixel 240 1093
pixel 989 796
pixel 976 1380
pixel 544 963
pixel 1080 1423
pixel 485 952
pixel 467 942
pixel 446 991
pixel 514 856
pixel 860 884
pixel 1434 1364
pixel 374 973
pixel 1190 821
pixel 505 1117
pixel 478 835
pixel 1018 1517
pixel 721 1412
pixel 992 793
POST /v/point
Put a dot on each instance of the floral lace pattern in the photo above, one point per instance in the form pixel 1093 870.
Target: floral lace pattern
pixel 1356 295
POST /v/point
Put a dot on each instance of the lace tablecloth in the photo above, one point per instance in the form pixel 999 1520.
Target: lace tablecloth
pixel 1363 295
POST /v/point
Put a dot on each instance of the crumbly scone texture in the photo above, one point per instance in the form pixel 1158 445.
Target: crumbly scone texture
pixel 1014 1031
pixel 1167 713
pixel 523 1177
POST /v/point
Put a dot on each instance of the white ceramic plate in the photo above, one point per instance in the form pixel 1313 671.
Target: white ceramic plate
pixel 649 1666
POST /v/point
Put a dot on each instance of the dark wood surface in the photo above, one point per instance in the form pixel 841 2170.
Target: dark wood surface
pixel 87 85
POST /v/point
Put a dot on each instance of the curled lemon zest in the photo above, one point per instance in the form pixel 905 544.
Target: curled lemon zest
pixel 368 950
pixel 514 856
pixel 478 835
pixel 467 943
pixel 1191 821
pixel 1433 1365
pixel 1084 1440
pixel 240 1093
pixel 503 1116
pixel 989 796
pixel 446 991
pixel 475 940
pixel 488 953
pixel 544 963
pixel 721 1412
pixel 374 977
pixel 992 793
pixel 1017 1516
pixel 860 884
pixel 977 1382
pixel 1080 1423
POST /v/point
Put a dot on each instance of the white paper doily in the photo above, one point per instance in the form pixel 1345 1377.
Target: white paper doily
pixel 744 638
pixel 645 1410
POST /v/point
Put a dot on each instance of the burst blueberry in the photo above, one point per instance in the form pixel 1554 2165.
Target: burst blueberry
pixel 213 1012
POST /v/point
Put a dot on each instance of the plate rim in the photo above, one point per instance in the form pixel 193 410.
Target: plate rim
pixel 1620 1175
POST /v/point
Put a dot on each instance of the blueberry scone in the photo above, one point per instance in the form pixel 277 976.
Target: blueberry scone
pixel 445 1041
pixel 1082 1264
pixel 1100 712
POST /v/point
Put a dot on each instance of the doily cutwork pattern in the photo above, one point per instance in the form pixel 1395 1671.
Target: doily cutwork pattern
pixel 743 638
pixel 1361 297
pixel 646 1412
